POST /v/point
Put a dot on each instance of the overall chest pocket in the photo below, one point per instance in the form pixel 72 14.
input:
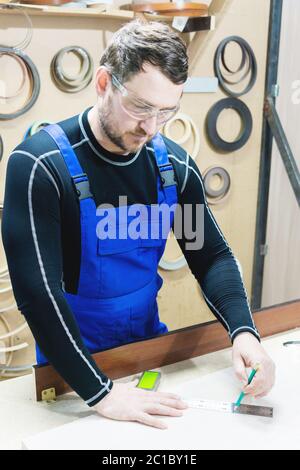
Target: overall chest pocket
pixel 126 265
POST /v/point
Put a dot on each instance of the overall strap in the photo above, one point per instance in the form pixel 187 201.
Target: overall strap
pixel 165 168
pixel 79 178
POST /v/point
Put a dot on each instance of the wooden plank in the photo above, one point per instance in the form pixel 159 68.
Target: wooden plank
pixel 172 347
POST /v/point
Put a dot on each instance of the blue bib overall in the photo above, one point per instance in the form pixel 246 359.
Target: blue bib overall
pixel 118 284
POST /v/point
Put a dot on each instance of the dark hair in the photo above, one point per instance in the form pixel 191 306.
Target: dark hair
pixel 137 43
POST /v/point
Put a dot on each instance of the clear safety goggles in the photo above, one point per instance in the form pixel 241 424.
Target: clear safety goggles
pixel 138 109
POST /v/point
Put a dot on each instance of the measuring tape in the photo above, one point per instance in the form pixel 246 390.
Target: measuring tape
pixel 227 407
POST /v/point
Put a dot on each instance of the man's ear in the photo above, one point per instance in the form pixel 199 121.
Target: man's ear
pixel 102 80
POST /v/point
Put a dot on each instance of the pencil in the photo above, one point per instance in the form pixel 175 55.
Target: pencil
pixel 242 394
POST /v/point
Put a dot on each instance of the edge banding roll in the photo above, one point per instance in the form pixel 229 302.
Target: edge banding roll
pixel 216 196
pixel 36 127
pixel 211 124
pixel 189 129
pixel 247 57
pixel 24 74
pixel 173 265
pixel 34 78
pixel 67 82
pixel 26 41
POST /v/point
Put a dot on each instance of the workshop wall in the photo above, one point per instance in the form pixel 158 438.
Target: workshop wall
pixel 180 300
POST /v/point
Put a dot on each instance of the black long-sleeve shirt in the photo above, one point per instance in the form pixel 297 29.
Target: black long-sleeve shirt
pixel 41 237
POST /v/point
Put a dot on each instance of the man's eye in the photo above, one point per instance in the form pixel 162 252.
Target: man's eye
pixel 141 108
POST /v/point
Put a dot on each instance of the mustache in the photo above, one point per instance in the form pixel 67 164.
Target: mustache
pixel 143 134
pixel 140 135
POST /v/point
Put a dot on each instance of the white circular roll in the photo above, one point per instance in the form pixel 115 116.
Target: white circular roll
pixel 177 263
pixel 186 125
pixel 189 128
pixel 15 331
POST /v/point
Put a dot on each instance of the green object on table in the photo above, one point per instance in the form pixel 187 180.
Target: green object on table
pixel 149 380
pixel 251 376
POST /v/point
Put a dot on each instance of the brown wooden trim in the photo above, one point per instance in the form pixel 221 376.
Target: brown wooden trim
pixel 172 347
pixel 40 10
pixel 44 2
pixel 170 9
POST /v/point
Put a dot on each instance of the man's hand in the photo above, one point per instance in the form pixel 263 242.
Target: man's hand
pixel 248 352
pixel 125 402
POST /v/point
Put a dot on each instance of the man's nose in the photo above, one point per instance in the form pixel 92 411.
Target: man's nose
pixel 149 125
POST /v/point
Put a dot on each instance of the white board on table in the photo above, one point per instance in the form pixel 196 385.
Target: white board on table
pixel 197 429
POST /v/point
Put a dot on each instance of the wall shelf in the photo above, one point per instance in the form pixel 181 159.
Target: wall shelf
pixel 85 12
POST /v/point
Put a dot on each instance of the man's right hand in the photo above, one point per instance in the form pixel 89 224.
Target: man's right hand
pixel 125 402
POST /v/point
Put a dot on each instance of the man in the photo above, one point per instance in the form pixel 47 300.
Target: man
pixel 81 292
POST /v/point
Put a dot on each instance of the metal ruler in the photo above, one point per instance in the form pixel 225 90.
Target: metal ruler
pixel 227 407
pixel 289 343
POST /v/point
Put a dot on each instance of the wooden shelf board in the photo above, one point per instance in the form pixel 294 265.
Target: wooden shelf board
pixel 85 12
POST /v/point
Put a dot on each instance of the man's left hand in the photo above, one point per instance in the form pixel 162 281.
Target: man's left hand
pixel 248 352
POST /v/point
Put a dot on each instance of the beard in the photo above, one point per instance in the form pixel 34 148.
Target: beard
pixel 109 128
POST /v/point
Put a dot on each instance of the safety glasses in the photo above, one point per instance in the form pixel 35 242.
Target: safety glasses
pixel 137 109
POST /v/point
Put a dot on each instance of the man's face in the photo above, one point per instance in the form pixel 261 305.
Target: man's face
pixel 150 86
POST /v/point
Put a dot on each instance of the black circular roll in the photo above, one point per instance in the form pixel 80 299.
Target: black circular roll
pixel 1 148
pixel 225 178
pixel 34 79
pixel 212 119
pixel 248 58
